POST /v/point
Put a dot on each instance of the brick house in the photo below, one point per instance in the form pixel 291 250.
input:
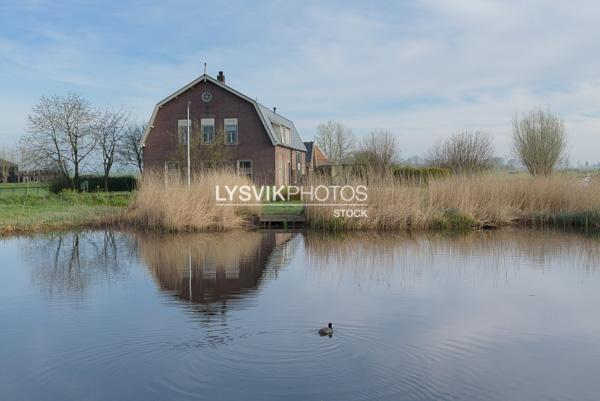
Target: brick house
pixel 265 146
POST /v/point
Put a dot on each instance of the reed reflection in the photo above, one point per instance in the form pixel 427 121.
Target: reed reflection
pixel 372 257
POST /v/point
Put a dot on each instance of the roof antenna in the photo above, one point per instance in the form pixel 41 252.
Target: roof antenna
pixel 204 68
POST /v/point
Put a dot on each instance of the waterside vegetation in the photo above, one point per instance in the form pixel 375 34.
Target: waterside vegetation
pixel 394 203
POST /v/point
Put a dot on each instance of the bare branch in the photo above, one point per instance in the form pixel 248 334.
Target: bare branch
pixel 466 152
pixel 59 135
pixel 109 133
pixel 378 150
pixel 335 140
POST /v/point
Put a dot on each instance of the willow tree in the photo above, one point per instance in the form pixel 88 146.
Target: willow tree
pixel 539 141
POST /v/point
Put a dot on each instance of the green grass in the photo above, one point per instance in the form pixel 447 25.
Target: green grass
pixel 25 213
pixel 294 208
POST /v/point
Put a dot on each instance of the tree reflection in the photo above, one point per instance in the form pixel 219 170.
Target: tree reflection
pixel 68 263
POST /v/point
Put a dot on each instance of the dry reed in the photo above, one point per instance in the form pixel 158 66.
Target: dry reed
pixel 463 201
pixel 168 204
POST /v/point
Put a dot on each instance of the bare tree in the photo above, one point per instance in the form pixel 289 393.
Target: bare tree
pixel 335 140
pixel 539 141
pixel 59 135
pixel 465 152
pixel 109 132
pixel 378 150
pixel 131 150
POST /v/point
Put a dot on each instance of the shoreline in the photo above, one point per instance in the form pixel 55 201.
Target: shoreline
pixel 116 218
pixel 486 201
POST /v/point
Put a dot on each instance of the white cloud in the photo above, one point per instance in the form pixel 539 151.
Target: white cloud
pixel 423 70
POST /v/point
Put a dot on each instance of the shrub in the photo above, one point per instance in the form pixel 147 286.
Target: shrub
pixel 466 152
pixel 58 184
pixel 420 174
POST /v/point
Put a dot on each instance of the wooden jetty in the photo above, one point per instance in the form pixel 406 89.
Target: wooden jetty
pixel 281 221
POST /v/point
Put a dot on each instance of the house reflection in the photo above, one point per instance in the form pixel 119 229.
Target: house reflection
pixel 214 268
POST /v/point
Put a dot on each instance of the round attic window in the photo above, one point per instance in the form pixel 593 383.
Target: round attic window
pixel 206 96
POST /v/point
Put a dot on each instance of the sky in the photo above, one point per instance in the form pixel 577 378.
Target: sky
pixel 422 69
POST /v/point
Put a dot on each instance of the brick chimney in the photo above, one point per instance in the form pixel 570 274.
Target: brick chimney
pixel 221 77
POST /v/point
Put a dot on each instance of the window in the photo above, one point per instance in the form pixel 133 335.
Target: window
pixel 277 129
pixel 172 168
pixel 299 161
pixel 244 168
pixel 231 131
pixel 182 131
pixel 207 127
pixel 286 136
pixel 282 132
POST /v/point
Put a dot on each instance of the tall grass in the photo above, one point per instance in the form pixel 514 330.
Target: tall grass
pixel 464 201
pixel 168 204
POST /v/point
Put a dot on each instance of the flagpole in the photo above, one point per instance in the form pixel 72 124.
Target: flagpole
pixel 189 180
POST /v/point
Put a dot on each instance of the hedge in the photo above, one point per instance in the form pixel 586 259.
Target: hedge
pixel 96 183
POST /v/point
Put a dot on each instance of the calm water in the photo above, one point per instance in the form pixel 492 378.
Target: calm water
pixel 507 315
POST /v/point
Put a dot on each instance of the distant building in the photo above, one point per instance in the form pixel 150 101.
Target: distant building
pixel 9 172
pixel 265 146
pixel 315 157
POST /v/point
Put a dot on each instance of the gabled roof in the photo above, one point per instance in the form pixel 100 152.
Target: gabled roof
pixel 267 117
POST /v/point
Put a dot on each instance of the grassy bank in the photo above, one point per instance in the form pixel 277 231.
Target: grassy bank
pixel 36 213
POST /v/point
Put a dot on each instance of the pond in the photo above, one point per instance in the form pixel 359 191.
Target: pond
pixel 102 315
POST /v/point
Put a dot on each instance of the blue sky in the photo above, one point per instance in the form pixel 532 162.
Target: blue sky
pixel 423 69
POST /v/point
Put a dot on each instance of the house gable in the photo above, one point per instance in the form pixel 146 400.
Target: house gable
pixel 266 116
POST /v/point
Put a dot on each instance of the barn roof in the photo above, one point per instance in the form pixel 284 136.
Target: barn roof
pixel 267 116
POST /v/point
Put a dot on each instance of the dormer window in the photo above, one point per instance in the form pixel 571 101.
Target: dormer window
pixel 286 135
pixel 283 132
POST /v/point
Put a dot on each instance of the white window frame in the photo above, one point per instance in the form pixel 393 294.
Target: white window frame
pixel 207 122
pixel 182 136
pixel 251 167
pixel 283 132
pixel 230 122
